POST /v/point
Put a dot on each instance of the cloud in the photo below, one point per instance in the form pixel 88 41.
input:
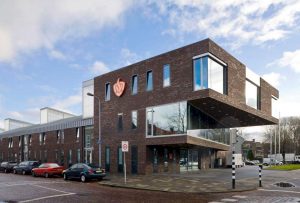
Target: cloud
pixel 273 78
pixel 99 68
pixel 32 25
pixel 28 115
pixel 246 21
pixel 289 59
pixel 69 102
pixel 128 57
pixel 55 54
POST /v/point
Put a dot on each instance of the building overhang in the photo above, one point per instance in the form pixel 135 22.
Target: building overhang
pixel 184 141
pixel 228 113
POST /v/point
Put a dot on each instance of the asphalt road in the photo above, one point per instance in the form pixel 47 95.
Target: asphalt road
pixel 20 188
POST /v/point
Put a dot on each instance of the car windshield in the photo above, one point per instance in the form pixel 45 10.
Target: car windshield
pixel 53 165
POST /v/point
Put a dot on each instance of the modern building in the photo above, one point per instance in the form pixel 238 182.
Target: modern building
pixel 175 110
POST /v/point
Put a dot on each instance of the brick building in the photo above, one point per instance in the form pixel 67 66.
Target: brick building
pixel 175 109
pixel 256 148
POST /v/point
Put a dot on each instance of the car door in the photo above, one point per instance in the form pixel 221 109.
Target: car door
pixel 72 170
pixel 78 170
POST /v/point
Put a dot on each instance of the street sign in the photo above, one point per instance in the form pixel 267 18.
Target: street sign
pixel 125 146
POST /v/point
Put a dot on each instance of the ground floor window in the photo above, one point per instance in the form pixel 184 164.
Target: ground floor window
pixel 107 159
pixel 120 160
pixel 78 155
pixel 70 157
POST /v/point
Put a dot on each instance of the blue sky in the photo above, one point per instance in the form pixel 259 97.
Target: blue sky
pixel 47 48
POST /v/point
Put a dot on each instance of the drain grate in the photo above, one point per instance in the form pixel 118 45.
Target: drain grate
pixel 283 184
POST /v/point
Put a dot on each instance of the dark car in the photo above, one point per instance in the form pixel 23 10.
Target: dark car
pixel 7 166
pixel 83 172
pixel 25 167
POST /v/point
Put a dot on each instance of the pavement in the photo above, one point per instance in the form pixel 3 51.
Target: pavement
pixel 204 181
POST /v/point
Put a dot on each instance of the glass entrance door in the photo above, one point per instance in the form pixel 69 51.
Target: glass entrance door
pixel 188 159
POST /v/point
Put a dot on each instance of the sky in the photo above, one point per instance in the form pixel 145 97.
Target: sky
pixel 47 48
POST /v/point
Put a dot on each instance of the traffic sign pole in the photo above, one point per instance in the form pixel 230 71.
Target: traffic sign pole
pixel 125 147
pixel 124 168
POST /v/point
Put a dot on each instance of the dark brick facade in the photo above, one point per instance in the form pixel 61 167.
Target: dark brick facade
pixel 181 89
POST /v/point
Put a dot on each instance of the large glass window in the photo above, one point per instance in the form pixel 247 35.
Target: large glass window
pixel 209 74
pixel 149 81
pixel 166 75
pixel 107 91
pixel 134 85
pixel 252 94
pixel 134 119
pixel 167 119
pixel 107 159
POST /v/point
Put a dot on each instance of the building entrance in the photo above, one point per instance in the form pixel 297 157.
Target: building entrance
pixel 189 160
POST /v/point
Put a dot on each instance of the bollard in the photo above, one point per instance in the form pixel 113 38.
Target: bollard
pixel 233 170
pixel 259 174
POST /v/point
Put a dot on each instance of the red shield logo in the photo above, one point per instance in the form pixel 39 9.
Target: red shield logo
pixel 119 87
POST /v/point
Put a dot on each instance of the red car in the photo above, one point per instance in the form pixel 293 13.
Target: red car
pixel 47 170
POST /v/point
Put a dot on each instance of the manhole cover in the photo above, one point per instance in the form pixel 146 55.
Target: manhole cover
pixel 283 184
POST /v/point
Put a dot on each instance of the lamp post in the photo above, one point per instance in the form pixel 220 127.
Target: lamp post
pixel 99 135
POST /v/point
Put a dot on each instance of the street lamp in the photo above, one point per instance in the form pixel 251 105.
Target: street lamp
pixel 99 136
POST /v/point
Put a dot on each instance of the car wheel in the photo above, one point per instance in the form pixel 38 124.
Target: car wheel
pixel 24 172
pixel 83 178
pixel 15 172
pixel 65 176
pixel 33 174
pixel 46 175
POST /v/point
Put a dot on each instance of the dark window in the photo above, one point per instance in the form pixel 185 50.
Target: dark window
pixel 120 122
pixel 107 159
pixel 149 81
pixel 107 91
pixel 134 85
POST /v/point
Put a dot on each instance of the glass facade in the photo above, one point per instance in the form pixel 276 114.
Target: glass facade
pixel 184 118
pixel 134 84
pixel 209 74
pixel 166 75
pixel 252 94
pixel 149 81
pixel 107 91
pixel 275 107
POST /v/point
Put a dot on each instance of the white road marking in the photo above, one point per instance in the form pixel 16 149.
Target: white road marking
pixel 47 197
pixel 229 200
pixel 287 191
pixel 239 196
pixel 52 189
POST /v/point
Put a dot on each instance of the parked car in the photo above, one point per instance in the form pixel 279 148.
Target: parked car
pixel 7 166
pixel 249 163
pixel 25 167
pixel 83 172
pixel 47 170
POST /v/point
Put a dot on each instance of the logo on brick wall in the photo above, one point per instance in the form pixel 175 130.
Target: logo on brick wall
pixel 119 87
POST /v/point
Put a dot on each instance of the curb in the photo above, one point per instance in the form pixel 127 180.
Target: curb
pixel 173 191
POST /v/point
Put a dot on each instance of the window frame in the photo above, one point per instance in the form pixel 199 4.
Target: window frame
pixel 132 125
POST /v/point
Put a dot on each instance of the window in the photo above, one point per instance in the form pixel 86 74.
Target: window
pixel 45 155
pixel 166 75
pixel 77 134
pixel 208 73
pixel 134 85
pixel 252 96
pixel 107 91
pixel 149 81
pixel 44 138
pixel 62 136
pixel 41 138
pixel 134 119
pixel 10 142
pixel 107 159
pixel 20 141
pixel 58 136
pixel 70 157
pixel 120 122
pixel 167 119
pixel 120 160
pixel 30 139
pixel 78 156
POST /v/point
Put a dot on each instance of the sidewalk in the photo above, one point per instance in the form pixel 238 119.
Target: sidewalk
pixel 195 182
